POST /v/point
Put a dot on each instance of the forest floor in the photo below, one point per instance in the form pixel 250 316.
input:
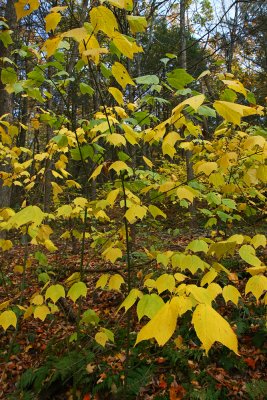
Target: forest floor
pixel 178 370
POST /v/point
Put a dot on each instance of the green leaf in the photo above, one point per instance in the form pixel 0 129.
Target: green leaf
pixel 8 318
pixel 228 95
pixel 149 305
pixel 86 151
pixel 90 317
pixel 86 89
pixel 211 327
pixel 8 75
pixel 60 140
pixel 77 290
pixel 179 78
pixel 229 203
pixel 198 245
pixel 5 37
pixel 214 198
pixel 206 111
pixel 147 80
pixel 54 292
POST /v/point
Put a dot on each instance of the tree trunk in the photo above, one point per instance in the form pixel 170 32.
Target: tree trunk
pixel 6 106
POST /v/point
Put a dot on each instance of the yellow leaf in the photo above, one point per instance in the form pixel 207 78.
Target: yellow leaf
pixel 148 162
pixel 162 325
pixel 119 166
pixel 230 292
pixel 50 245
pixel 239 239
pixel 77 290
pixel 195 102
pixel 256 270
pixel 41 312
pixel 75 277
pixel 102 281
pixel 64 211
pixel 58 8
pixel 165 282
pixel 116 139
pixel 25 7
pixel 112 254
pixel 115 282
pixel 211 327
pixel 256 285
pixel 134 212
pixel 96 172
pixel 247 253
pixel 180 277
pixel 8 318
pixel 130 299
pixel 200 294
pixel 30 214
pixel 137 23
pixel 207 168
pixel 208 277
pixel 214 290
pixel 77 34
pixel 222 248
pixel 198 245
pixel 252 141
pixel 233 112
pixel 103 19
pixel 19 269
pixel 5 304
pixel 258 240
pixel 94 54
pixel 50 45
pixel 186 192
pixel 101 338
pixel 5 244
pixel 121 75
pixel 123 4
pixel 117 94
pixel 126 47
pixel 52 20
pixel 121 112
pixel 37 300
pixel 112 196
pixel 89 48
pixel 54 292
pixel 236 86
pixel 155 211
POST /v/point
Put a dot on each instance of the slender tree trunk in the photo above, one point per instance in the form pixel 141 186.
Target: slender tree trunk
pixel 183 63
pixel 6 106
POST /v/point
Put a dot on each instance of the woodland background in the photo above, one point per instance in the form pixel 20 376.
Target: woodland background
pixel 133 199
